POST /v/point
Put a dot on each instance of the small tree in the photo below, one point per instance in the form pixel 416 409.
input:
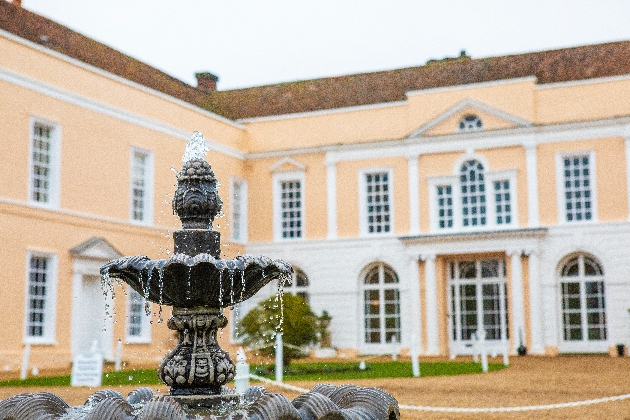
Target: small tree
pixel 290 315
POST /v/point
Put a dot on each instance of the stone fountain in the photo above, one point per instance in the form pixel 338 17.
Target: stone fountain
pixel 198 284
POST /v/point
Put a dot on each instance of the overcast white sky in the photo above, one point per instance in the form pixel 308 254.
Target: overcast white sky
pixel 256 42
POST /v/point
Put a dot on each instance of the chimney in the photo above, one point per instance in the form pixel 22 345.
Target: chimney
pixel 206 82
pixel 18 3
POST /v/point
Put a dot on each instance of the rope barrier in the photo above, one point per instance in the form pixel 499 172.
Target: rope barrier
pixel 470 409
pixel 513 409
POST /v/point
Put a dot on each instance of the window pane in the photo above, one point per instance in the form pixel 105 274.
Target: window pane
pixel 472 193
pixel 377 192
pixel 291 204
pixel 577 188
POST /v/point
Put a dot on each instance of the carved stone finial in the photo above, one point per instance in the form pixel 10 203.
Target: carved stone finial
pixel 196 200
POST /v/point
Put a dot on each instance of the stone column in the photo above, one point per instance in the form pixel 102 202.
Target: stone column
pixel 331 198
pixel 535 310
pixel 532 185
pixel 517 297
pixel 431 308
pixel 414 194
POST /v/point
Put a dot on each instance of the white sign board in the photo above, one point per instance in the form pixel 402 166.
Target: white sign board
pixel 87 370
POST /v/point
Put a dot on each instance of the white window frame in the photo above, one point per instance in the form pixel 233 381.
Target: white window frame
pixel 54 177
pixel 382 346
pixel 453 181
pixel 278 179
pixel 500 176
pixel 148 187
pixel 560 192
pixel 584 345
pixel 145 326
pixel 363 205
pixel 238 209
pixel 50 306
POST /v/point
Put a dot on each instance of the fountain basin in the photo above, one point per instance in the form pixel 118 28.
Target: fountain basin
pixel 199 281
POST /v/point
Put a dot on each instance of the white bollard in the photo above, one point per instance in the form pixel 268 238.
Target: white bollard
pixel 118 360
pixel 279 355
pixel 506 350
pixel 484 351
pixel 241 379
pixel 25 360
pixel 475 347
pixel 415 364
pixel 395 350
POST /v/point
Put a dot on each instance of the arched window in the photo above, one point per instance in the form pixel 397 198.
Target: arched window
pixel 473 193
pixel 299 284
pixel 470 123
pixel 583 301
pixel 381 305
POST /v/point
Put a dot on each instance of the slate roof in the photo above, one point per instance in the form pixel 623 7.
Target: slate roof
pixel 578 63
pixel 49 34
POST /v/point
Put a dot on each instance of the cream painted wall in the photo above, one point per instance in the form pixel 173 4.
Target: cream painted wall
pixel 83 80
pixel 610 161
pixel 328 128
pixel 583 101
pixel 516 98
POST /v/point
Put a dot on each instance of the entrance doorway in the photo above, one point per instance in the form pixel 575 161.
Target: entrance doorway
pixel 93 325
pixel 478 304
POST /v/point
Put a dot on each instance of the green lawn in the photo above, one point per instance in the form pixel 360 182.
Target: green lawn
pixel 348 370
pixel 296 371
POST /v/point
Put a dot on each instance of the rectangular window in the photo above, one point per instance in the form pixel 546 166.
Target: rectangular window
pixel 377 197
pixel 578 198
pixel 445 206
pixel 239 210
pixel 138 322
pixel 502 202
pixel 291 203
pixel 141 186
pixel 44 164
pixel 40 299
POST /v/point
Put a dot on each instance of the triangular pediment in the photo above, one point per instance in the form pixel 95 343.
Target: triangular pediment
pixel 287 164
pixel 448 121
pixel 96 248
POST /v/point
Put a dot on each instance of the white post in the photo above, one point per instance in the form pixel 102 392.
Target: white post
pixel 118 359
pixel 475 344
pixel 506 360
pixel 483 350
pixel 25 360
pixel 415 364
pixel 241 380
pixel 279 350
pixel 393 342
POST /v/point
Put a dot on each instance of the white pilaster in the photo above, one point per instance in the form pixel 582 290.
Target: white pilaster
pixel 414 288
pixel 430 282
pixel 331 198
pixel 626 142
pixel 531 162
pixel 414 194
pixel 535 310
pixel 517 296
